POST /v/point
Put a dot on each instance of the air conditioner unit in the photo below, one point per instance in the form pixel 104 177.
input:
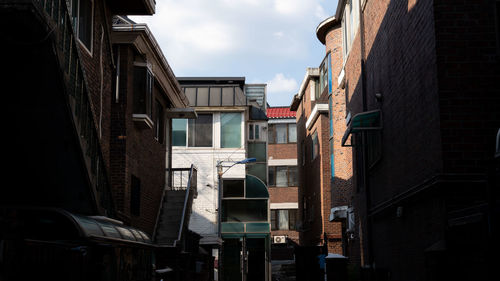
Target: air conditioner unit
pixel 279 239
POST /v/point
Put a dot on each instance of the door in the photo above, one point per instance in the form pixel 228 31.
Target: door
pixel 232 259
pixel 256 259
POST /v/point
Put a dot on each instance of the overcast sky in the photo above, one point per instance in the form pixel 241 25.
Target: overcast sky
pixel 266 41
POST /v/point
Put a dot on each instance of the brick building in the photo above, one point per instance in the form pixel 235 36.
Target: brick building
pixel 146 97
pixel 283 180
pixel 421 83
pixel 313 133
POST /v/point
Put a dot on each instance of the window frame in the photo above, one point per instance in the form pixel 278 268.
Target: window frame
pixel 274 217
pixel 77 21
pixel 212 131
pixel 272 137
pixel 288 178
pixel 314 145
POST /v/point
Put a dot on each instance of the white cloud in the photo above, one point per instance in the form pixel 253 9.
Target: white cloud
pixel 280 84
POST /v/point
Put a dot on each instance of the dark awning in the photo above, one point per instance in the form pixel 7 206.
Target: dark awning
pixel 53 224
pixel 364 121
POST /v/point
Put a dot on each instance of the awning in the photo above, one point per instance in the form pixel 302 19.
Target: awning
pixel 53 224
pixel 364 121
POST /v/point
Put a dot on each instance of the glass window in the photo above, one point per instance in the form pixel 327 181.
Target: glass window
pixel 85 23
pixel 200 131
pixel 179 127
pixel 292 176
pixel 143 90
pixel 281 133
pixel 258 151
pixel 315 145
pixel 135 196
pixel 283 219
pixel 160 122
pixel 233 188
pixel 282 176
pixel 257 131
pixel 230 130
pixel 244 210
pixel 250 132
pixel 270 134
pixel 259 170
pixel 292 133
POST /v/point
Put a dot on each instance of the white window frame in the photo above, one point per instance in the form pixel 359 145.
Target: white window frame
pixel 77 26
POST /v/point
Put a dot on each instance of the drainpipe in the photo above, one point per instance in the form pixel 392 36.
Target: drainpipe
pixel 366 177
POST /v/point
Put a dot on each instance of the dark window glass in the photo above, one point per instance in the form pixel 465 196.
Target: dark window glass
pixel 135 196
pixel 244 210
pixel 85 23
pixel 270 134
pixel 315 145
pixel 257 132
pixel 233 188
pixel 143 90
pixel 292 176
pixel 272 176
pixel 258 151
pixel 160 122
pixel 293 219
pixel 274 226
pixel 250 132
pixel 200 131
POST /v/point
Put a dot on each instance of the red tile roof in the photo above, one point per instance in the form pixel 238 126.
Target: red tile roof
pixel 280 112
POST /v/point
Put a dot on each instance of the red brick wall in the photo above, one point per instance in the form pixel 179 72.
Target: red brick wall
pixel 282 151
pixel 135 151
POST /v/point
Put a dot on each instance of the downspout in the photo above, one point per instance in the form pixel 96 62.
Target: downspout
pixel 366 177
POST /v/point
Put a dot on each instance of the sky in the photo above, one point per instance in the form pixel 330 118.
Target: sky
pixel 265 41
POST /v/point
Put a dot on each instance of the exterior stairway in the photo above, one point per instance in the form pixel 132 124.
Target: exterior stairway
pixel 173 218
pixel 52 54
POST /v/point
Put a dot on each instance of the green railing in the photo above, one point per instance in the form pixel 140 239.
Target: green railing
pixel 56 14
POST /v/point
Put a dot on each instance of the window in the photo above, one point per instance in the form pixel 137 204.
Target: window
pixel 230 130
pixel 350 24
pixel 315 145
pixel 253 131
pixel 283 219
pixel 281 176
pixel 82 14
pixel 200 131
pixel 160 123
pixel 282 133
pixel 233 188
pixel 135 196
pixel 179 127
pixel 244 210
pixel 143 89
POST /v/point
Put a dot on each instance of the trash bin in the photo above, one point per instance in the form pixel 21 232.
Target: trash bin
pixel 336 267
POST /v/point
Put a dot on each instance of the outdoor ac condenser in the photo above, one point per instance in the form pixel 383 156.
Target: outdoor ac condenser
pixel 279 239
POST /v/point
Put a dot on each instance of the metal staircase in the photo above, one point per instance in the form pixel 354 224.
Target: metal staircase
pixel 175 210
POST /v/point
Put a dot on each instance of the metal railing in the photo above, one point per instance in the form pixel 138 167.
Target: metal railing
pixel 191 191
pixel 57 17
pixel 181 178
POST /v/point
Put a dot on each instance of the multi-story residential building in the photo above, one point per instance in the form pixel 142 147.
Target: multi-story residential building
pixel 146 97
pixel 329 33
pixel 421 83
pixel 318 235
pixel 283 179
pixel 283 189
pixel 231 209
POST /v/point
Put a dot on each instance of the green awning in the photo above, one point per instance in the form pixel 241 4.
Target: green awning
pixel 364 121
pixel 255 188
